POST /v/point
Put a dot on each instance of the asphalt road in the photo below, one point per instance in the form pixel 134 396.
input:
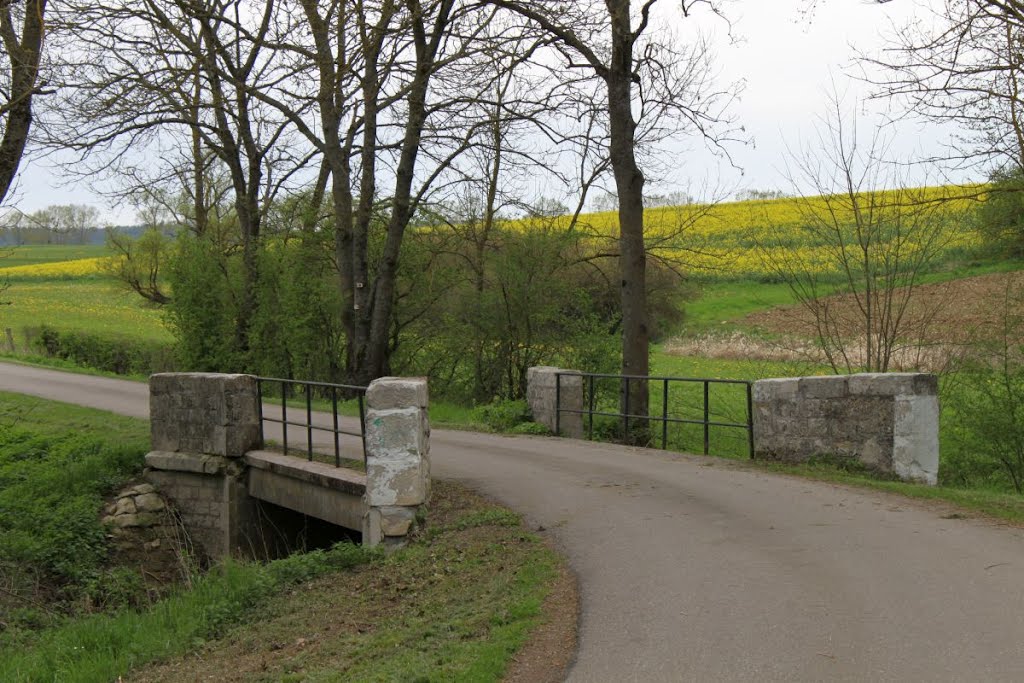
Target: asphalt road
pixel 694 569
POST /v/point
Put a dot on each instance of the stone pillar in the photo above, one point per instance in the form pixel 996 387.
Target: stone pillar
pixel 887 421
pixel 202 412
pixel 201 424
pixel 548 389
pixel 397 458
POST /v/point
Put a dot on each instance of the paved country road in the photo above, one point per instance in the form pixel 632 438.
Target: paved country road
pixel 694 569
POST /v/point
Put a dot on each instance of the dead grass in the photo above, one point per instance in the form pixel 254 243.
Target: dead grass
pixel 942 321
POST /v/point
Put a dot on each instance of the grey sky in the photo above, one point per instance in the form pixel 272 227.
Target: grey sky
pixel 788 64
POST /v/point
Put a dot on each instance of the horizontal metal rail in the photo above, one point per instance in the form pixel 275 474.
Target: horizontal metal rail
pixel 307 388
pixel 590 411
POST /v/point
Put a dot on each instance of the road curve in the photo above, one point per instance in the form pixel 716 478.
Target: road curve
pixel 694 569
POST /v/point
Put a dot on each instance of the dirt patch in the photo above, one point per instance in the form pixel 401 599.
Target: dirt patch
pixel 957 311
pixel 939 322
pixel 444 605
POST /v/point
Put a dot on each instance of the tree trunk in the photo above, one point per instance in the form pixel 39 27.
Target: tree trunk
pixel 24 54
pixel 377 361
pixel 629 183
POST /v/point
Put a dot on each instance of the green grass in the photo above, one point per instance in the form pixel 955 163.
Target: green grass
pixel 94 304
pixel 48 253
pixel 102 648
pixel 57 463
pixel 455 605
pixel 723 303
pixel 56 419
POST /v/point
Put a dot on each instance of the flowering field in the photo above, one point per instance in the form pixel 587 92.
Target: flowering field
pixel 68 288
pixel 29 254
pixel 740 240
pixel 78 268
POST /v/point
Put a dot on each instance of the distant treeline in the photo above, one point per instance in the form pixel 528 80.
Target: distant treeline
pixel 15 236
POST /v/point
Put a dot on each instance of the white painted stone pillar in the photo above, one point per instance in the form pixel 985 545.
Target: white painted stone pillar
pixel 397 458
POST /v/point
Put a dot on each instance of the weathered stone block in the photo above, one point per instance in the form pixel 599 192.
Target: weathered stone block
pixel 397 521
pixel 395 434
pixel 549 389
pixel 397 482
pixel 204 413
pixel 775 389
pixel 149 502
pixel 396 392
pixel 397 437
pixel 175 462
pixel 125 506
pixel 886 421
pixel 823 387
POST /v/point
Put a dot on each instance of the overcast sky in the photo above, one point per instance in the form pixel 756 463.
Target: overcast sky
pixel 787 62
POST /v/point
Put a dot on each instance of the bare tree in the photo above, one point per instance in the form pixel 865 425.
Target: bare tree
pixel 874 238
pixel 615 44
pixel 23 32
pixel 153 75
pixel 963 65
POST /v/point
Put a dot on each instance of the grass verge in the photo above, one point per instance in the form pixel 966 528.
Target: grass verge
pixel 998 505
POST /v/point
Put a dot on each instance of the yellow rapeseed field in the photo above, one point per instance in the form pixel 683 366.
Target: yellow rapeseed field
pixel 59 269
pixel 744 239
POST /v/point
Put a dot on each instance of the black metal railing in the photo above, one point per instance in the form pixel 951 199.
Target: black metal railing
pixel 307 390
pixel 625 382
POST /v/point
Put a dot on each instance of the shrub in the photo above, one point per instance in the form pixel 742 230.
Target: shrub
pixel 120 355
pixel 1001 216
pixel 502 416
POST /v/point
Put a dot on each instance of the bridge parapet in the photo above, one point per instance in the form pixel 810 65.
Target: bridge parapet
pixel 888 422
pixel 205 431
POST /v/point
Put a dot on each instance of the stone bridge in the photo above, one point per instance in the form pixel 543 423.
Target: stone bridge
pixel 232 495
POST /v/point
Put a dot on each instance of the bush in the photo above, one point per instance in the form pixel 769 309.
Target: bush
pixel 1001 216
pixel 534 428
pixel 987 403
pixel 502 416
pixel 120 355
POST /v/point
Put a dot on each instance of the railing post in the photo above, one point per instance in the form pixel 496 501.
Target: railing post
pixel 259 407
pixel 558 404
pixel 362 424
pixel 284 415
pixel 664 417
pixel 750 418
pixel 625 413
pixel 334 409
pixel 707 419
pixel 590 409
pixel 309 421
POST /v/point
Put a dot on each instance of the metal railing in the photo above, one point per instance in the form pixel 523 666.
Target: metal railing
pixel 307 389
pixel 626 380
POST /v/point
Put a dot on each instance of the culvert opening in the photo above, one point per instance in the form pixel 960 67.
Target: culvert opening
pixel 279 532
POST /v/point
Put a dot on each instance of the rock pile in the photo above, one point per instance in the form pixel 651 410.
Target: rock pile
pixel 139 506
pixel 146 533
